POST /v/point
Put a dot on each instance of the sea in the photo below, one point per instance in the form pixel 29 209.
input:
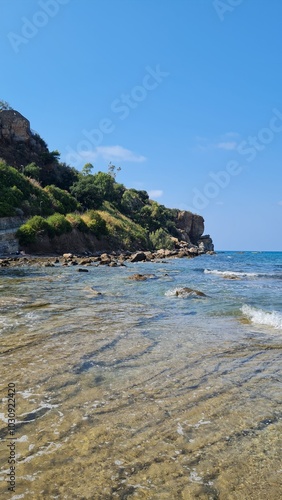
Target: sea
pixel 113 388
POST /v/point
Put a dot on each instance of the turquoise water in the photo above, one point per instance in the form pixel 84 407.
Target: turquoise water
pixel 138 392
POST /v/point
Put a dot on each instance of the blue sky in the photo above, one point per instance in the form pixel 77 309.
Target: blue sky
pixel 183 95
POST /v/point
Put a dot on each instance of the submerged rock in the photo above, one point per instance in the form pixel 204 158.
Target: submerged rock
pixel 142 277
pixel 189 291
pixel 138 277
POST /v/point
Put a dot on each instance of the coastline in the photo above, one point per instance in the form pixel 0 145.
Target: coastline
pixel 111 259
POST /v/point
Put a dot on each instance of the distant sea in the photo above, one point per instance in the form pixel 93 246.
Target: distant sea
pixel 137 393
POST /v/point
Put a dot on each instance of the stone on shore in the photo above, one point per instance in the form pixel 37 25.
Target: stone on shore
pixel 138 257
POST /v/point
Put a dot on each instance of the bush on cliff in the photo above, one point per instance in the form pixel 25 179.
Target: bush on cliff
pixel 95 223
pixel 122 231
pixel 61 200
pixel 39 224
pixel 161 239
pixel 32 170
pixel 26 235
pixel 77 222
pixel 19 193
pixel 58 225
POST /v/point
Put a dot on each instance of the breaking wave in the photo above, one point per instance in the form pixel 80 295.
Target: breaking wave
pixel 261 317
pixel 235 274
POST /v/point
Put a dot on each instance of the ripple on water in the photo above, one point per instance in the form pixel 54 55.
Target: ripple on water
pixel 135 395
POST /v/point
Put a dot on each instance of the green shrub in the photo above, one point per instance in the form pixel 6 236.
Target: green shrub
pixel 160 239
pixel 26 235
pixel 96 225
pixel 6 210
pixel 62 201
pixel 32 170
pixel 77 222
pixel 39 224
pixel 58 224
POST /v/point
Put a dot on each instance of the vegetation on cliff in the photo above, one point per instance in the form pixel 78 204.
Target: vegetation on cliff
pixel 94 204
pixel 56 198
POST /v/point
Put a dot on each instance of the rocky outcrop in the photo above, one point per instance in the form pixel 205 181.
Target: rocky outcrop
pixel 14 127
pixel 19 146
pixel 191 228
pixel 205 244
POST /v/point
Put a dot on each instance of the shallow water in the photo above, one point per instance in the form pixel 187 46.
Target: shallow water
pixel 137 393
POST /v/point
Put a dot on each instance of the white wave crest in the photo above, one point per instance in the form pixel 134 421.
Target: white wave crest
pixel 261 317
pixel 171 293
pixel 235 274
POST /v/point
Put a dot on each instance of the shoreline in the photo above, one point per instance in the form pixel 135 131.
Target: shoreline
pixel 110 259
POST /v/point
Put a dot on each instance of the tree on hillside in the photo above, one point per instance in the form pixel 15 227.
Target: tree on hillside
pixel 131 203
pixel 87 169
pixel 113 170
pixel 32 170
pixel 86 192
pixel 4 105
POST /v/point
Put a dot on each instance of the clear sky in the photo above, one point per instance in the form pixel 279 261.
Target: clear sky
pixel 184 95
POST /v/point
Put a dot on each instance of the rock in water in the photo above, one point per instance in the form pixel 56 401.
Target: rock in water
pixel 137 277
pixel 189 291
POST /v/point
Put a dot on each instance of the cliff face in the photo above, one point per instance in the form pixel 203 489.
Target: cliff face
pixel 190 228
pixel 14 127
pixel 18 145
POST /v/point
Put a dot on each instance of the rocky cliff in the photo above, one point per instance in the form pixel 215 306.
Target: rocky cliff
pixel 190 228
pixel 19 146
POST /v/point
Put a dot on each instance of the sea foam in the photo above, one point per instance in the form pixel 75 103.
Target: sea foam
pixel 231 273
pixel 261 317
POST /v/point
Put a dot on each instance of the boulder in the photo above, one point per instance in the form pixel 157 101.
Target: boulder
pixel 85 262
pixel 205 243
pixel 105 259
pixel 193 251
pixel 183 292
pixel 68 256
pixel 138 257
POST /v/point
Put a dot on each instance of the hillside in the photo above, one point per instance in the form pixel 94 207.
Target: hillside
pixel 56 199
